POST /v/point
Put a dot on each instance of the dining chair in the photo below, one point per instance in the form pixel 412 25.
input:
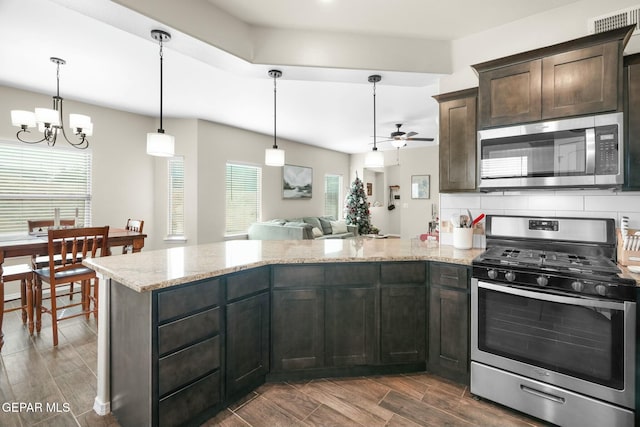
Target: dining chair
pixel 80 243
pixel 42 225
pixel 133 225
pixel 23 274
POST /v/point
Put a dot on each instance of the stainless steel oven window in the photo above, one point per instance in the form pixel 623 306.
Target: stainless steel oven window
pixel 586 342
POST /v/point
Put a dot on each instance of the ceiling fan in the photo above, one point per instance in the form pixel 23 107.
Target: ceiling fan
pixel 399 138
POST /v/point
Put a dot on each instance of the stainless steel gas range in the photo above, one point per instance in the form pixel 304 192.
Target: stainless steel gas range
pixel 553 323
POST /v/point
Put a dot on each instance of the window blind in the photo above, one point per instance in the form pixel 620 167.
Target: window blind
pixel 243 197
pixel 34 180
pixel 332 199
pixel 175 217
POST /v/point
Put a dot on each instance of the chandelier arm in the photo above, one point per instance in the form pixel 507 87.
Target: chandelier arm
pixel 27 141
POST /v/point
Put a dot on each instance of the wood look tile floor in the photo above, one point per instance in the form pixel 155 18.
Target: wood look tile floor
pixel 33 371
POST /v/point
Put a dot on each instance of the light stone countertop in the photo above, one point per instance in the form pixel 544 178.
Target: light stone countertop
pixel 149 270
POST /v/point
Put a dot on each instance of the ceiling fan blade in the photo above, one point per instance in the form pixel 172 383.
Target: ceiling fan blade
pixel 410 134
pixel 420 139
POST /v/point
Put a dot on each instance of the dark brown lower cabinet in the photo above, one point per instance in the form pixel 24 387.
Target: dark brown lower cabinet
pixel 350 320
pixel 247 344
pixel 403 321
pixel 449 333
pixel 297 328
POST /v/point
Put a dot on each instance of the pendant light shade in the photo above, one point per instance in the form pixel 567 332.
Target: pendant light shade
pixel 274 156
pixel 159 143
pixel 374 158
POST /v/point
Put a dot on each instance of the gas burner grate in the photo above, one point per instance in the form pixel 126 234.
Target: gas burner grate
pixel 510 253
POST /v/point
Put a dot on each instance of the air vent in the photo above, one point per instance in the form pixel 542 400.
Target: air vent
pixel 617 19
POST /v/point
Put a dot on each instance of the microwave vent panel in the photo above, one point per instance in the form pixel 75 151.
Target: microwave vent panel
pixel 617 19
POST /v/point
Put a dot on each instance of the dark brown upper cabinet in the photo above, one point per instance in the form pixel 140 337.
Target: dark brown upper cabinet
pixel 510 94
pixel 582 76
pixel 631 122
pixel 458 140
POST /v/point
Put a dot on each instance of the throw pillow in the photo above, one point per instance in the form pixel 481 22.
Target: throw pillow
pixel 326 225
pixel 316 232
pixel 339 227
pixel 313 220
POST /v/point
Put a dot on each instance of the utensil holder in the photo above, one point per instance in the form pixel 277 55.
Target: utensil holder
pixel 627 257
pixel 462 238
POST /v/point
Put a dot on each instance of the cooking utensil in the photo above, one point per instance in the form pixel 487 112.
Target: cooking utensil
pixel 470 223
pixel 455 220
pixel 477 220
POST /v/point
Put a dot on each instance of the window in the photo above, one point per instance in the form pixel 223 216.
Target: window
pixel 175 217
pixel 244 197
pixel 34 180
pixel 332 196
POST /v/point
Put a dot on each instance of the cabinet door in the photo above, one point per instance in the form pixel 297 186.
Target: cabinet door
pixel 582 81
pixel 632 124
pixel 510 94
pixel 449 334
pixel 350 322
pixel 458 144
pixel 247 343
pixel 297 322
pixel 403 323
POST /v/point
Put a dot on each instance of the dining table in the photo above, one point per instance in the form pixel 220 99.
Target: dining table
pixel 33 245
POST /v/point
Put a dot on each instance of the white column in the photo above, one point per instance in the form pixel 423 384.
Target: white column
pixel 102 403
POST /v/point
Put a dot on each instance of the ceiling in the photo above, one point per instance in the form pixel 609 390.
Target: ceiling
pixel 113 62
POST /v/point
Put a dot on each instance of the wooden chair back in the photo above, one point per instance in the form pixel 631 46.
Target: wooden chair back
pixel 38 225
pixel 135 225
pixel 69 246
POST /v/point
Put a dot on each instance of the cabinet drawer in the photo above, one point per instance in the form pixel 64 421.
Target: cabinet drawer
pixel 187 299
pixel 179 368
pixel 188 329
pixel 298 276
pixel 403 272
pixel 352 274
pixel 247 283
pixel 449 275
pixel 186 404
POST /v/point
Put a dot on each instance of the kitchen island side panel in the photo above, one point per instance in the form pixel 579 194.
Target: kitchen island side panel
pixel 131 336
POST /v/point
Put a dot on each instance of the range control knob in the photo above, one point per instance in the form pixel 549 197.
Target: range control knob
pixel 601 290
pixel 542 280
pixel 577 286
pixel 492 274
pixel 510 276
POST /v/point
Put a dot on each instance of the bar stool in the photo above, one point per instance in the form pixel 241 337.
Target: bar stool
pixel 24 274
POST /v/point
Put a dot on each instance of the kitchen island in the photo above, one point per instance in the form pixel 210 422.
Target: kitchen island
pixel 189 329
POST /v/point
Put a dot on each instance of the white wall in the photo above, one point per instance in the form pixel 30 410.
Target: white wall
pixel 123 185
pixel 411 216
pixel 218 144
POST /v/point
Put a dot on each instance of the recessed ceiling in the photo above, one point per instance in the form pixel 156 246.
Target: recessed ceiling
pixel 112 61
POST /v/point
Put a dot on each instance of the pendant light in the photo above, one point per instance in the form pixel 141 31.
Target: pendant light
pixel 160 144
pixel 274 156
pixel 374 158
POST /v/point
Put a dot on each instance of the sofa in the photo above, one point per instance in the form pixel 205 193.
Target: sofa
pixel 302 228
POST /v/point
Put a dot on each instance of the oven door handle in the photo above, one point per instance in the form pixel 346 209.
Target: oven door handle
pixel 585 302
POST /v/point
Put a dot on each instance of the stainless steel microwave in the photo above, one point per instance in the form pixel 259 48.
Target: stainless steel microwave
pixel 577 152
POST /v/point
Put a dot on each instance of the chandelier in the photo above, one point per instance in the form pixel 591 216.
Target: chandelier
pixel 50 121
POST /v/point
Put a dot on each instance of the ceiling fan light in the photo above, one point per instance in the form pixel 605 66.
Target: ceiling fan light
pixel 398 143
pixel 274 157
pixel 374 159
pixel 160 144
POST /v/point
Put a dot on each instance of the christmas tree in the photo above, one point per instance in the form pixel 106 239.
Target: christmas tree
pixel 357 208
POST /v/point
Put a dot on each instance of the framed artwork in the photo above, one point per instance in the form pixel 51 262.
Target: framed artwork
pixel 369 189
pixel 297 182
pixel 420 186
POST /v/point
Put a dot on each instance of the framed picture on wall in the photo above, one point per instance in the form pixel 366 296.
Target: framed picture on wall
pixel 297 182
pixel 420 186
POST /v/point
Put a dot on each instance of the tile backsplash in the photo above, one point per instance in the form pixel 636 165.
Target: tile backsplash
pixel 561 203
